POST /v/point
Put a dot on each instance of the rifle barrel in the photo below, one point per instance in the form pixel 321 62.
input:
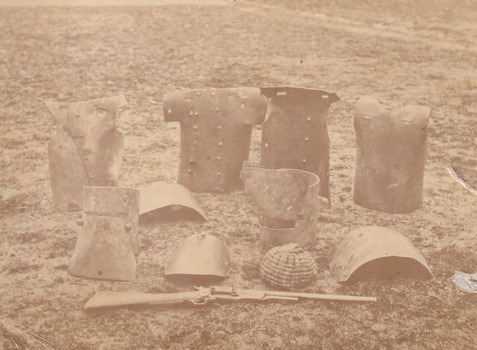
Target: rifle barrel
pixel 253 294
pixel 335 297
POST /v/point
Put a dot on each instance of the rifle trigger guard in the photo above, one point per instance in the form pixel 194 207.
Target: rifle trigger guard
pixel 200 301
pixel 203 297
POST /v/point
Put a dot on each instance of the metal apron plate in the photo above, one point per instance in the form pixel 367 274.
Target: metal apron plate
pixel 391 149
pixel 286 201
pixel 377 252
pixel 159 195
pixel 200 255
pixel 216 128
pixel 86 150
pixel 273 237
pixel 106 246
pixel 295 135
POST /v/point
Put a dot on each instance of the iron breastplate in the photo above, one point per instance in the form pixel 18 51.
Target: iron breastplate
pixel 390 156
pixel 295 135
pixel 216 127
pixel 86 150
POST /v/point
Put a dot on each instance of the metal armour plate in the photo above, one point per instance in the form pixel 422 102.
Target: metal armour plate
pixel 391 148
pixel 377 252
pixel 105 251
pixel 277 194
pixel 107 243
pixel 286 202
pixel 273 237
pixel 216 127
pixel 87 149
pixel 159 195
pixel 200 255
pixel 295 135
pixel 67 172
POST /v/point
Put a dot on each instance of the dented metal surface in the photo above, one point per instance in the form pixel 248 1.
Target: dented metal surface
pixel 107 243
pixel 86 150
pixel 160 194
pixel 295 135
pixel 216 127
pixel 390 156
pixel 200 255
pixel 286 201
pixel 374 252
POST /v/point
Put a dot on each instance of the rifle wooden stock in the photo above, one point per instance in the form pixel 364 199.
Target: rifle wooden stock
pixel 114 299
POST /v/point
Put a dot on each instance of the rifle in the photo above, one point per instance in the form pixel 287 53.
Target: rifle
pixel 203 295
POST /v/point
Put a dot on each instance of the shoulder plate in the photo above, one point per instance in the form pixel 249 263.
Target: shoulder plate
pixel 159 195
pixel 200 255
pixel 377 252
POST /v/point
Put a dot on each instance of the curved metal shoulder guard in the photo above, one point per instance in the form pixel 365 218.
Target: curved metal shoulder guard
pixel 295 135
pixel 286 202
pixel 108 241
pixel 160 194
pixel 391 148
pixel 377 252
pixel 86 150
pixel 201 254
pixel 216 128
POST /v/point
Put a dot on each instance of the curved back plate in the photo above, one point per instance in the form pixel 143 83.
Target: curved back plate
pixel 391 148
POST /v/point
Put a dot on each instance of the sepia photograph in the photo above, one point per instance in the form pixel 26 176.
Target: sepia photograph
pixel 238 174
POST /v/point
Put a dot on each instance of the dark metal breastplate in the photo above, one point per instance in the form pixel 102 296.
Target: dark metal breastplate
pixel 296 135
pixel 216 127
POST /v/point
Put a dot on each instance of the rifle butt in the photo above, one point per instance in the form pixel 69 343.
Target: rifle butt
pixel 103 299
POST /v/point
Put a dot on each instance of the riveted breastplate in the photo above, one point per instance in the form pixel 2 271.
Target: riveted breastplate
pixel 390 156
pixel 296 135
pixel 86 150
pixel 216 127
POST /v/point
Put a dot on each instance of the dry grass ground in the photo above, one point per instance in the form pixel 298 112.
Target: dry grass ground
pixel 420 54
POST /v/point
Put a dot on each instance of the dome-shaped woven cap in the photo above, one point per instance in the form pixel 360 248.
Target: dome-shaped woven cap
pixel 288 266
